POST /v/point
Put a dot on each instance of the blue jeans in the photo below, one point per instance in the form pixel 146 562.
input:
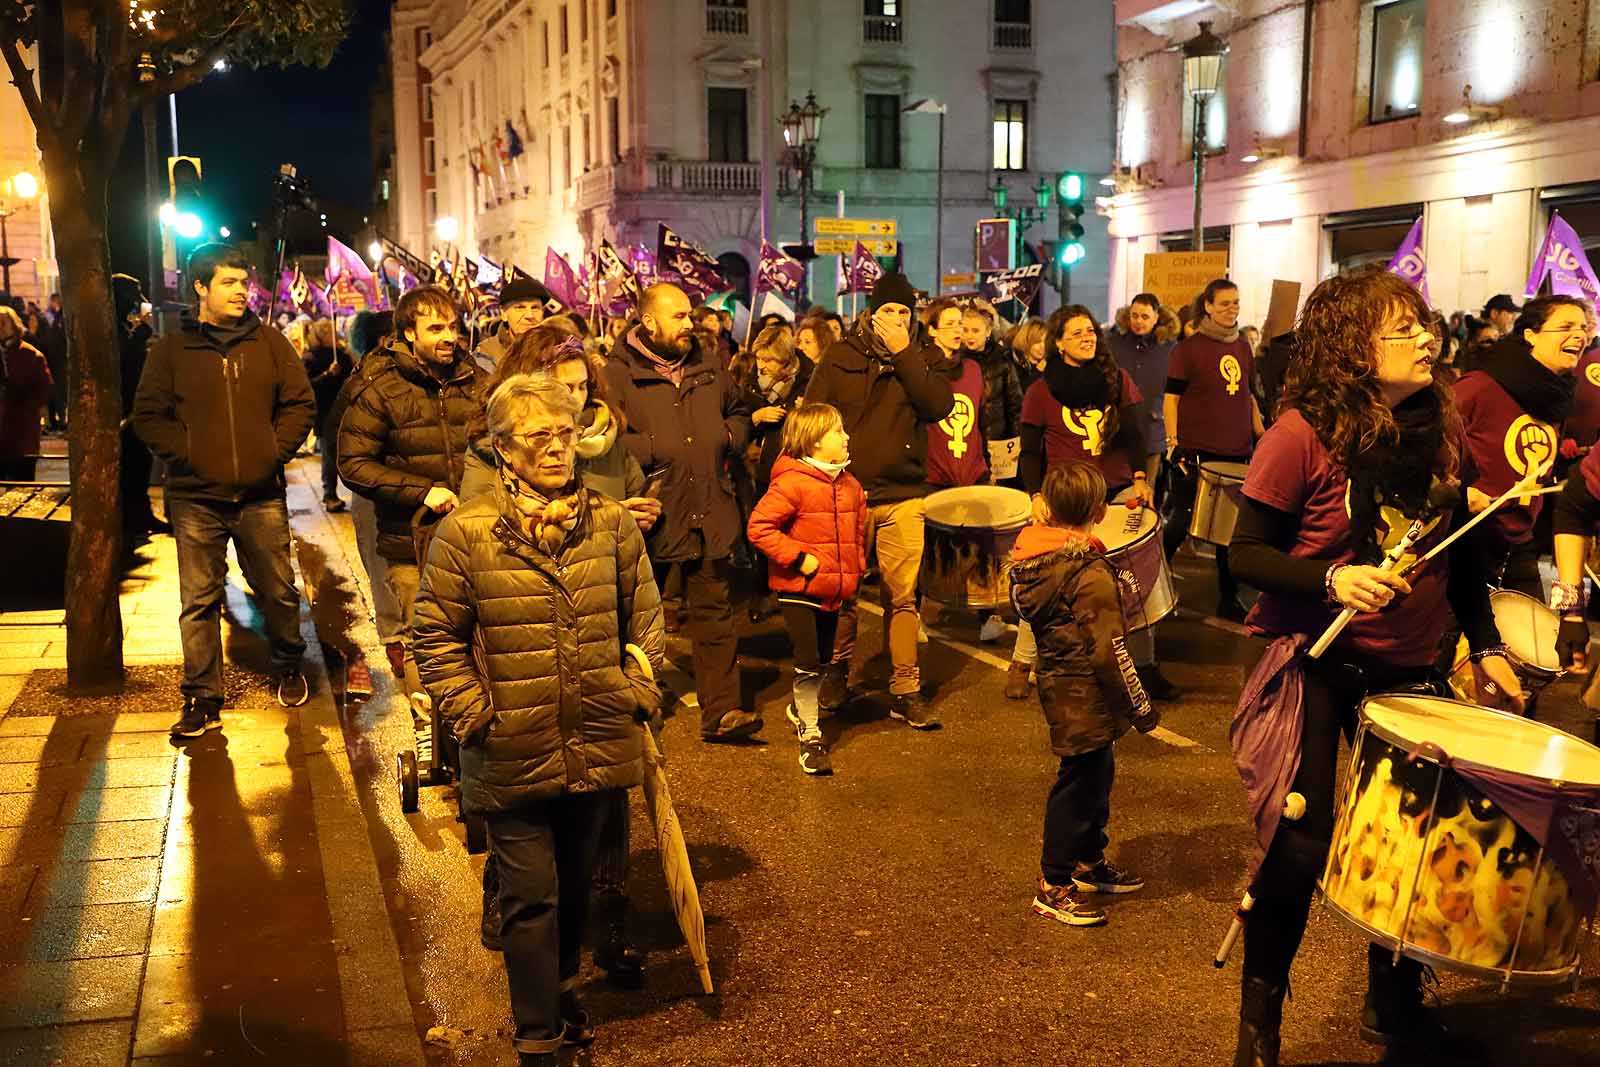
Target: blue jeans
pixel 260 531
pixel 545 852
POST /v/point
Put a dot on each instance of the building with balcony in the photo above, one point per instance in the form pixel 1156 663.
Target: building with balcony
pixel 631 113
pixel 1339 122
pixel 27 215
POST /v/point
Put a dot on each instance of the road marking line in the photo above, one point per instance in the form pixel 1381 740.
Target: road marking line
pixel 1160 733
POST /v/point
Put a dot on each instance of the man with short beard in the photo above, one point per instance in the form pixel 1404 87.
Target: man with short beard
pixel 403 442
pixel 685 419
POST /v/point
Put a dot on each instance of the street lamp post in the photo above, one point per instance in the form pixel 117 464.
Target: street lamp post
pixel 1202 71
pixel 802 127
pixel 926 106
pixel 1026 216
pixel 20 186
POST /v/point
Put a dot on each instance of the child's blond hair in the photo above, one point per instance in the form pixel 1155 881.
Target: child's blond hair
pixel 1074 492
pixel 805 428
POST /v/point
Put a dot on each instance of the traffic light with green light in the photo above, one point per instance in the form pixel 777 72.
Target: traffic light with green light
pixel 1070 187
pixel 188 208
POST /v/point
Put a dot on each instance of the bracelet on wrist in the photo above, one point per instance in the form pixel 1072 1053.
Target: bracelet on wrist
pixel 1327 583
pixel 1566 597
pixel 1484 653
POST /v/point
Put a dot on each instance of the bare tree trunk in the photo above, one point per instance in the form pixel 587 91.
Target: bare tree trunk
pixel 94 617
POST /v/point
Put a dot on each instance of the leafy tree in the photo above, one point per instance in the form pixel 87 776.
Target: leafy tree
pixel 83 68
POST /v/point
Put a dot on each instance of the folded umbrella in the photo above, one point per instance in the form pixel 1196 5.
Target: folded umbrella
pixel 669 841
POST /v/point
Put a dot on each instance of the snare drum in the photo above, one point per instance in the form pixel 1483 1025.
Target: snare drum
pixel 1216 501
pixel 1133 537
pixel 1528 630
pixel 1423 862
pixel 967 538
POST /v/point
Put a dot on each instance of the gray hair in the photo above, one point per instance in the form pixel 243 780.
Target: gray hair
pixel 514 397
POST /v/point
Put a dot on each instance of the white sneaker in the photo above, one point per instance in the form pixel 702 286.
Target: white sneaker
pixel 993 629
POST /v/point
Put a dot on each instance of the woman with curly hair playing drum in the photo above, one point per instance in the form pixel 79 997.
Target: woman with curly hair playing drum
pixel 1365 438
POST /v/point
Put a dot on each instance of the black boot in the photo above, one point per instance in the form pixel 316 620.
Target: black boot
pixel 613 953
pixel 1394 1016
pixel 489 929
pixel 1260 1015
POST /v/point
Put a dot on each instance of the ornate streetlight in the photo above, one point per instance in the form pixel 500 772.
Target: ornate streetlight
pixel 802 128
pixel 1026 216
pixel 1202 73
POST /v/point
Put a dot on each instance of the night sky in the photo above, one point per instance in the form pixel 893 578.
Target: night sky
pixel 243 123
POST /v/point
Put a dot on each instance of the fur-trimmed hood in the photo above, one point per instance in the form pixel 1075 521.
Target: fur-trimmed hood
pixel 1167 328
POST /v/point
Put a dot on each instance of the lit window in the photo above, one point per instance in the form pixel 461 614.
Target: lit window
pixel 1398 33
pixel 385 193
pixel 1010 135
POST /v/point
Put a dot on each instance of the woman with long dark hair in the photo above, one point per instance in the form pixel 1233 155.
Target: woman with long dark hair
pixel 1365 436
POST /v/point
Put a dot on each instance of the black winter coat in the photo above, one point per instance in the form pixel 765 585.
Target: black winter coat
pixel 1001 418
pixel 224 409
pixel 523 655
pixel 684 437
pixel 1088 688
pixel 403 432
pixel 887 403
pixel 770 435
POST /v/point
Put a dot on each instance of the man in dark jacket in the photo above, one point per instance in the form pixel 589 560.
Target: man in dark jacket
pixel 524 303
pixel 880 380
pixel 403 441
pixel 225 403
pixel 686 420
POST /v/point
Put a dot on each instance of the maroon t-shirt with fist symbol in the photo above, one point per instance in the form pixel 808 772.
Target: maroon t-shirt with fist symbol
pixel 1077 435
pixel 957 455
pixel 1214 412
pixel 1506 445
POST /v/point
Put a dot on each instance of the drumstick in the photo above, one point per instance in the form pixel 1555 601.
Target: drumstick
pixel 1390 560
pixel 1240 914
pixel 1523 488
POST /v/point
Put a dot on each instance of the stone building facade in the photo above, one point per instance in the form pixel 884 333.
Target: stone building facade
pixel 35 276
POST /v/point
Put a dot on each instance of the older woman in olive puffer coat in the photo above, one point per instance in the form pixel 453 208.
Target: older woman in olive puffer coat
pixel 528 597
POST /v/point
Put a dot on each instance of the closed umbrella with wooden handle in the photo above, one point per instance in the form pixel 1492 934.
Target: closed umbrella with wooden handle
pixel 669 841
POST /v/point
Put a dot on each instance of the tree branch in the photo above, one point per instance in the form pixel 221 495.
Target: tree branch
pixel 183 77
pixel 22 78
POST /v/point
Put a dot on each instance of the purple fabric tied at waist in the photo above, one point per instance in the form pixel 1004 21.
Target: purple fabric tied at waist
pixel 1265 736
pixel 1563 818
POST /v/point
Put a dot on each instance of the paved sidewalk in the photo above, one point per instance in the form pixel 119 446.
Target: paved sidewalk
pixel 159 904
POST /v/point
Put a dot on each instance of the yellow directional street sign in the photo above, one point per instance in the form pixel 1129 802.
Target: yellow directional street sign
pixel 844 246
pixel 864 227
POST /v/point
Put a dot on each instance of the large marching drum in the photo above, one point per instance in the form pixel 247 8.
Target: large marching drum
pixel 1132 536
pixel 1425 862
pixel 966 546
pixel 1216 501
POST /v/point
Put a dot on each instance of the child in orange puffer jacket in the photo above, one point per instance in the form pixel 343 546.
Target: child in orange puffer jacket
pixel 812 526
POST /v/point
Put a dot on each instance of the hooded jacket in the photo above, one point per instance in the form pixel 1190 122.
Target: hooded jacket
pixel 404 432
pixel 1001 417
pixel 807 513
pixel 522 652
pixel 1062 584
pixel 1146 360
pixel 683 436
pixel 887 402
pixel 225 408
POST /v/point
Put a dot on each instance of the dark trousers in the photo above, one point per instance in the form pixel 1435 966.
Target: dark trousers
pixel 543 855
pixel 1076 814
pixel 19 470
pixel 611 858
pixel 133 486
pixel 328 447
pixel 1288 877
pixel 711 632
pixel 260 531
pixel 1182 486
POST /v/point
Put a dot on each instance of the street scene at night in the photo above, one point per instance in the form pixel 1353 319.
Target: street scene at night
pixel 598 532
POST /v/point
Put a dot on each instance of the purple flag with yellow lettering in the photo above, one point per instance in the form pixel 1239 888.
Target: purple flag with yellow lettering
pixel 1409 261
pixel 1563 261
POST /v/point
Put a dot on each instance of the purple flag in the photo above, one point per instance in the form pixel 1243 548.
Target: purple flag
pixel 619 290
pixel 698 273
pixel 643 262
pixel 779 273
pixel 1561 259
pixel 405 263
pixel 256 297
pixel 561 279
pixel 293 291
pixel 864 271
pixel 351 286
pixel 1019 283
pixel 1409 262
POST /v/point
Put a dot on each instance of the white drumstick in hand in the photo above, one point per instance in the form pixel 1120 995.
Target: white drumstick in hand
pixel 1529 486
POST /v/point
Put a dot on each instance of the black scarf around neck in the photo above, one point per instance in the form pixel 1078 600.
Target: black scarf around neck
pixel 1077 387
pixel 1394 473
pixel 1540 392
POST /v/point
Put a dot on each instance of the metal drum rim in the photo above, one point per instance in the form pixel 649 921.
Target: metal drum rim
pixel 1409 744
pixel 1422 955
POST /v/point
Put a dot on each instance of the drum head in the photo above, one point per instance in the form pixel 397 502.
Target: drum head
pixel 1226 470
pixel 983 506
pixel 1124 525
pixel 1487 738
pixel 1528 628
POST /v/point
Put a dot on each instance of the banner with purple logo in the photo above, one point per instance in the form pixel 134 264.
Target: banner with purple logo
pixel 778 272
pixel 407 262
pixel 1409 261
pixel 561 279
pixel 698 273
pixel 351 285
pixel 257 298
pixel 642 262
pixel 1562 261
pixel 619 290
pixel 1019 283
pixel 317 304
pixel 293 292
pixel 864 271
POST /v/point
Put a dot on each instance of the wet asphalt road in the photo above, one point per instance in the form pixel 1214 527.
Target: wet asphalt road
pixel 881 915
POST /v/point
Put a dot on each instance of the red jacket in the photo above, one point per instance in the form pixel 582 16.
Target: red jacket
pixel 806 513
pixel 23 395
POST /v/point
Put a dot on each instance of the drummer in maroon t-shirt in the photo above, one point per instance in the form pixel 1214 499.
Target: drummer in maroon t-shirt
pixel 1335 483
pixel 1210 413
pixel 1085 409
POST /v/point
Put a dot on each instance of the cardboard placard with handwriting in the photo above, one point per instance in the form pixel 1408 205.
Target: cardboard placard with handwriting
pixel 1176 278
pixel 1281 309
